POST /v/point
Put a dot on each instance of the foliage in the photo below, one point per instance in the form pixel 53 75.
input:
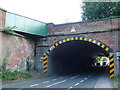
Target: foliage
pixel 9 29
pixel 28 64
pixel 98 10
pixel 8 75
pixel 5 62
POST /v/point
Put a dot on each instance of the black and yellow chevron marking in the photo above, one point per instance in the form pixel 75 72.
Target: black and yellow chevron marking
pixel 80 38
pixel 45 64
pixel 111 67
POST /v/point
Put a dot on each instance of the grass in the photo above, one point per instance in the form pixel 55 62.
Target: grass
pixel 10 76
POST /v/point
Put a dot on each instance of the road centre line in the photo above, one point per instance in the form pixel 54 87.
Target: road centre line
pixel 54 79
pixel 85 78
pixel 69 88
pixel 56 83
pixel 46 81
pixel 61 77
pixel 34 85
pixel 82 81
pixel 76 84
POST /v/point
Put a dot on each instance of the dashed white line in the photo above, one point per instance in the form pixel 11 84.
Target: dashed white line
pixel 85 78
pixel 69 88
pixel 34 85
pixel 56 83
pixel 74 76
pixel 46 81
pixel 54 79
pixel 82 81
pixel 76 84
pixel 61 77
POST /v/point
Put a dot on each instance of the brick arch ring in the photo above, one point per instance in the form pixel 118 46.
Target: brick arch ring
pixel 79 38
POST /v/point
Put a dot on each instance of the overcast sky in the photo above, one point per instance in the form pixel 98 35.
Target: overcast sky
pixel 56 11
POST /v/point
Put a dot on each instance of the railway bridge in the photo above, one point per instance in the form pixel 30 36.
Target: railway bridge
pixel 70 47
pixel 62 48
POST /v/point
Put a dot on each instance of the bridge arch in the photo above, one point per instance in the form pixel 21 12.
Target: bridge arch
pixel 80 38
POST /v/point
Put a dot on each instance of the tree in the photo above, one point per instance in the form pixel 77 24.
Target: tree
pixel 98 10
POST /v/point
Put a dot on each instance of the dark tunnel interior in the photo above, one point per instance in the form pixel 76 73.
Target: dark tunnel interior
pixel 73 57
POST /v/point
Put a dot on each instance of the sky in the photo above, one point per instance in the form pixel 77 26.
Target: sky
pixel 48 11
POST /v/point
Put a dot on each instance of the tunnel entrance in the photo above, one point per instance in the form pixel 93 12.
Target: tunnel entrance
pixel 74 54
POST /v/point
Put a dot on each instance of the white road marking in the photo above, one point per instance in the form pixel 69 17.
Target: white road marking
pixel 85 78
pixel 54 79
pixel 76 84
pixel 61 77
pixel 46 81
pixel 34 85
pixel 74 76
pixel 56 83
pixel 82 81
pixel 69 88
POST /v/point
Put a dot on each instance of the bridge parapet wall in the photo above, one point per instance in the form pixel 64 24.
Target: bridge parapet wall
pixel 106 30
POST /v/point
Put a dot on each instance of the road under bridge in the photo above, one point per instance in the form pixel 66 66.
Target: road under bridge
pixel 74 54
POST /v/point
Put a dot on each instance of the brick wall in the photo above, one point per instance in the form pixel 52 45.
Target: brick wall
pixel 2 18
pixel 15 49
pixel 105 30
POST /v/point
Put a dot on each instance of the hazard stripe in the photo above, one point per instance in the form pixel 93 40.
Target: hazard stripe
pixel 76 38
pixel 45 66
pixel 53 46
pixel 112 70
pixel 94 41
pixel 60 42
pixel 81 38
pixel 56 44
pixel 112 65
pixel 45 57
pixel 47 52
pixel 45 61
pixel 102 46
pixel 72 38
pixel 89 40
pixel 107 49
pixel 111 59
pixel 68 39
pixel 85 39
pixel 98 43
pixel 111 76
pixel 110 56
pixel 45 70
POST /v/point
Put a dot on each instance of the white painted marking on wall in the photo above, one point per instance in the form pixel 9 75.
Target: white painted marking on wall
pixel 76 84
pixel 46 81
pixel 56 83
pixel 82 81
pixel 34 85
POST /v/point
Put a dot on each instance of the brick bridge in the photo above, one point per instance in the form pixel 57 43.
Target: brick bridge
pixel 100 36
pixel 62 47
